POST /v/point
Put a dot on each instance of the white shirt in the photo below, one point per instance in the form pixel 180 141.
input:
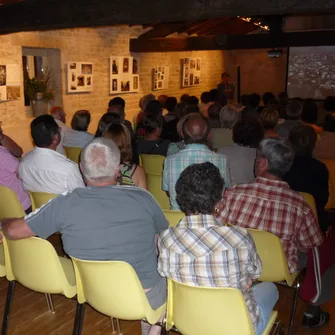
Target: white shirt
pixel 63 130
pixel 77 139
pixel 46 170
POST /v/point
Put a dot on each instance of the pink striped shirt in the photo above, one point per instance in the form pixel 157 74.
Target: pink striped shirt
pixel 9 178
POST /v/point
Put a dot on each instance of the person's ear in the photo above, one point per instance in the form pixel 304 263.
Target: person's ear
pixel 117 172
pixel 56 138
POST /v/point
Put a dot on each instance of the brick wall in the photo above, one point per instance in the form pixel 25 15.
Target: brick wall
pixel 97 45
pixel 259 73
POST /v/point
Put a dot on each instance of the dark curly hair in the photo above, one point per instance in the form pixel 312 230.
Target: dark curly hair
pixel 199 188
pixel 248 133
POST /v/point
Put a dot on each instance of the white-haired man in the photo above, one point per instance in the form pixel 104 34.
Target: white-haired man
pixel 103 221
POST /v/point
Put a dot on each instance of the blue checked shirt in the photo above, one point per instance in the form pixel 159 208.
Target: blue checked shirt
pixel 202 252
pixel 192 154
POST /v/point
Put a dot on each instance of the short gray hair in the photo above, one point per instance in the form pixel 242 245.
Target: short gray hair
pixel 279 155
pixel 100 160
pixel 229 115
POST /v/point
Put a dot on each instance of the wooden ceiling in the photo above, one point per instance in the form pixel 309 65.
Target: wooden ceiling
pixel 29 15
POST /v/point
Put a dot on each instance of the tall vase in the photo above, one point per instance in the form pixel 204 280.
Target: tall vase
pixel 39 106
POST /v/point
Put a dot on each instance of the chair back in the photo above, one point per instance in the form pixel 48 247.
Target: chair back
pixel 73 153
pixel 198 310
pixel 330 163
pixel 311 202
pixel 10 206
pixel 173 217
pixel 274 262
pixel 153 167
pixel 113 289
pixel 34 263
pixel 38 199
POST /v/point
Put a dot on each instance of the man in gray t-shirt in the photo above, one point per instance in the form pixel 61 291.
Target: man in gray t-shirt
pixel 102 221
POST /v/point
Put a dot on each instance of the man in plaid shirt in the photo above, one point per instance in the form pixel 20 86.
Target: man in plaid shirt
pixel 269 204
pixel 202 252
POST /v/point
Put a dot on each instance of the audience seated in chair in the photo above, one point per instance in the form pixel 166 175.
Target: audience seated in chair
pixel 79 137
pixel 153 109
pixel 103 221
pixel 170 104
pixel 9 169
pixel 118 105
pixel 308 174
pixel 205 103
pixel 130 173
pixel 269 118
pixel 247 134
pixel 43 169
pixel 325 146
pixel 196 132
pixel 310 114
pixel 202 252
pixel 269 204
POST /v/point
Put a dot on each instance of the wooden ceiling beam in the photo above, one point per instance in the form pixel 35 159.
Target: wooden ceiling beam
pixel 212 24
pixel 233 42
pixel 163 30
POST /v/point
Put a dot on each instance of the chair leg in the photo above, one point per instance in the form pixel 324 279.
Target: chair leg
pixel 113 325
pixel 50 303
pixel 10 292
pixel 79 318
pixel 118 327
pixel 294 308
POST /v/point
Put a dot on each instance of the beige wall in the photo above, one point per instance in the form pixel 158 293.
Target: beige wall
pixel 97 45
pixel 259 73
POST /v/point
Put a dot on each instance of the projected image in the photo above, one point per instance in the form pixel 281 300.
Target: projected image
pixel 311 72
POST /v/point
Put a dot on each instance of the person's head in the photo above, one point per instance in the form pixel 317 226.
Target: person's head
pixel 121 137
pixel 303 139
pixel 81 120
pixel 199 188
pixel 180 110
pixel 99 162
pixel 153 125
pixel 293 110
pixel 329 104
pixel 162 100
pixel 154 108
pixel 268 97
pixel 309 111
pixel 170 104
pixel 248 133
pixel 180 124
pixel 45 132
pixel 229 116
pixel 245 100
pixel 105 121
pixel 184 98
pixel 330 123
pixel 195 129
pixel 205 97
pixel 214 111
pixel 143 103
pixel 193 100
pixel 118 109
pixel 117 101
pixel 58 113
pixel 283 98
pixel 269 118
pixel 191 109
pixel 214 95
pixel 225 77
pixel 254 100
pixel 274 158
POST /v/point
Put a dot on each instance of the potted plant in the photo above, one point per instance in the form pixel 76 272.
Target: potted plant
pixel 38 92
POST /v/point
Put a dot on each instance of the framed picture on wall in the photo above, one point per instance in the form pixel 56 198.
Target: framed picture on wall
pixel 79 77
pixel 191 68
pixel 123 74
pixel 160 78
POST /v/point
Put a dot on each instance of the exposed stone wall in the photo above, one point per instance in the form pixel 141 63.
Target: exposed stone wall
pixel 259 73
pixel 97 45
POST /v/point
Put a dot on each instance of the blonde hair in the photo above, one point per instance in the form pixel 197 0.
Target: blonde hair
pixel 229 115
pixel 269 117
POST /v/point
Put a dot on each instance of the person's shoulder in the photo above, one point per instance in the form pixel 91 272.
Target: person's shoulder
pixel 133 191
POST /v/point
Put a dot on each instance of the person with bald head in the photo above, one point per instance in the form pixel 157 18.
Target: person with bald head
pixel 195 132
pixel 60 117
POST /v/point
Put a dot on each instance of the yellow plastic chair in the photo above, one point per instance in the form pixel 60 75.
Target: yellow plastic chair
pixel 330 163
pixel 73 153
pixel 197 310
pixel 275 265
pixel 38 199
pixel 113 289
pixel 173 217
pixel 153 166
pixel 10 207
pixel 34 263
pixel 311 202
